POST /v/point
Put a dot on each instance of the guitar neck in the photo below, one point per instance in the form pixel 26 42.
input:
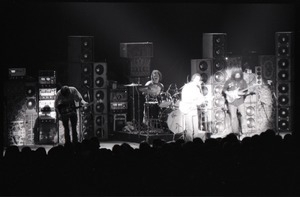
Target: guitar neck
pixel 91 103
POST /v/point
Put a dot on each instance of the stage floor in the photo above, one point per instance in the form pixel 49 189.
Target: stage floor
pixel 132 138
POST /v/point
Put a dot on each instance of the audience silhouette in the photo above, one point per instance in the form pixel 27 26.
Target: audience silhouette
pixel 265 164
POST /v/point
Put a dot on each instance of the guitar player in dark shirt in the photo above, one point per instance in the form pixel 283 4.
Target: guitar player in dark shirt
pixel 66 110
pixel 235 89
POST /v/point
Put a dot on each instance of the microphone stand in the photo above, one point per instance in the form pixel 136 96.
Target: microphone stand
pixel 138 97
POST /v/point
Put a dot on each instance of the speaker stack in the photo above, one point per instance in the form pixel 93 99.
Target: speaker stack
pixel 100 109
pixel 31 113
pixel 284 78
pixel 47 122
pixel 214 48
pixel 90 78
pixel 20 107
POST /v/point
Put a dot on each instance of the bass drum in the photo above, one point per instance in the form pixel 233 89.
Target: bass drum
pixel 163 117
pixel 175 122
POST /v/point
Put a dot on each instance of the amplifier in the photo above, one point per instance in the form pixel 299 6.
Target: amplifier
pixel 119 121
pixel 47 78
pixel 47 119
pixel 17 73
pixel 118 106
pixel 118 95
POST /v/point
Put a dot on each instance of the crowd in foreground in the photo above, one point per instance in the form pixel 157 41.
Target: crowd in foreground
pixel 265 164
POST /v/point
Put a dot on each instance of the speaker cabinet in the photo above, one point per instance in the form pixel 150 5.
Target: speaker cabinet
pixel 258 76
pixel 87 125
pixel 136 49
pixel 31 97
pixel 80 48
pixel 268 65
pixel 100 107
pixel 203 67
pixel 100 75
pixel 284 42
pixel 250 109
pixel 101 126
pixel 214 45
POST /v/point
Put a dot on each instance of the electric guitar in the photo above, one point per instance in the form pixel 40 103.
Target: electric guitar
pixel 66 109
pixel 236 94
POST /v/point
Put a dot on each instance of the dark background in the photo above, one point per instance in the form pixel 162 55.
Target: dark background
pixel 35 34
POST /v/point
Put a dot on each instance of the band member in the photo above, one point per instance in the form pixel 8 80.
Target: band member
pixel 191 98
pixel 235 89
pixel 66 111
pixel 154 88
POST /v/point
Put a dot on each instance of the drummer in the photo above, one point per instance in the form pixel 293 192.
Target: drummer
pixel 155 87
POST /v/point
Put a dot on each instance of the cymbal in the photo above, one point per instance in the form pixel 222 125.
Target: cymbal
pixel 132 85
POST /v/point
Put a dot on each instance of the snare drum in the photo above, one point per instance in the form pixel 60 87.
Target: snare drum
pixel 164 99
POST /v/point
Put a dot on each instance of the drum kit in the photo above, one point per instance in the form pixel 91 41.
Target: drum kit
pixel 163 106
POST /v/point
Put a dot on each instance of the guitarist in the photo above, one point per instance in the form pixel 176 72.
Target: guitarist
pixel 235 99
pixel 65 110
